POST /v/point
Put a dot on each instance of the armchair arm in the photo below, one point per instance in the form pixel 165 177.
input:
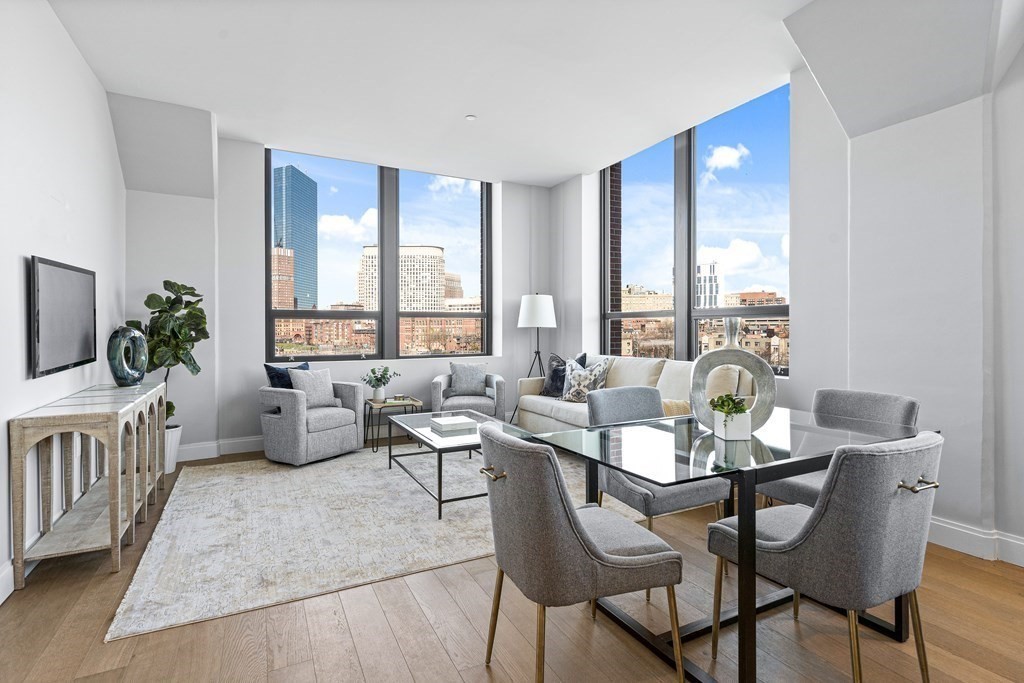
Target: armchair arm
pixel 437 387
pixel 292 402
pixel 497 382
pixel 284 433
pixel 351 396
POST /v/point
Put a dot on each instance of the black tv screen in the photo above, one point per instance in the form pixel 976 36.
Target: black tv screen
pixel 63 309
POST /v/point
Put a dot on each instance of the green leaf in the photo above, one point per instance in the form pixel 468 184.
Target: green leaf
pixel 162 355
pixel 172 286
pixel 135 325
pixel 170 409
pixel 154 302
pixel 189 362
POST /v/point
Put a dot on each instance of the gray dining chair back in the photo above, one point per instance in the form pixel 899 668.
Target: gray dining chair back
pixel 866 405
pixel 623 404
pixel 558 555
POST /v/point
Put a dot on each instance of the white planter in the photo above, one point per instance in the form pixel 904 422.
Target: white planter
pixel 732 427
pixel 378 394
pixel 172 437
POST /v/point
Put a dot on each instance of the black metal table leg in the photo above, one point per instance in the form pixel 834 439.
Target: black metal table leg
pixel 440 493
pixel 366 424
pixel 389 444
pixel 747 553
pixel 591 481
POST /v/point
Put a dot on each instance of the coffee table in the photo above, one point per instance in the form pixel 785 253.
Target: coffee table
pixel 417 425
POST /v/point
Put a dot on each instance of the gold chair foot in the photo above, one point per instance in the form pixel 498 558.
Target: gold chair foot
pixel 495 603
pixel 915 619
pixel 593 608
pixel 677 645
pixel 796 605
pixel 541 622
pixel 851 618
pixel 600 498
pixel 716 613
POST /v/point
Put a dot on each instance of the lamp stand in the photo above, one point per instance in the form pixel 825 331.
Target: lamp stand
pixel 540 366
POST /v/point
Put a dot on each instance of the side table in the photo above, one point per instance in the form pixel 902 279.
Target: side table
pixel 408 405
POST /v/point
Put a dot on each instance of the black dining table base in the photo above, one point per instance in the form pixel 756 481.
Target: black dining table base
pixel 748 605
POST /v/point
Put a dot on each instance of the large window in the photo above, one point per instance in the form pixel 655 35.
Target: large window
pixel 696 229
pixel 372 262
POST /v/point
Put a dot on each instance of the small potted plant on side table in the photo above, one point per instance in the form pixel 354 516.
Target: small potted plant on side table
pixel 732 421
pixel 378 378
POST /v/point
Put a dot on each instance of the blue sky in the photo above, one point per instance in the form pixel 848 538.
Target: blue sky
pixel 434 210
pixel 742 203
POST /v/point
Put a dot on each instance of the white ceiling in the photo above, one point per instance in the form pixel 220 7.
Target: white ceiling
pixel 559 88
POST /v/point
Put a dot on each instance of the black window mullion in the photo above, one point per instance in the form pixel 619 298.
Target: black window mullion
pixel 388 261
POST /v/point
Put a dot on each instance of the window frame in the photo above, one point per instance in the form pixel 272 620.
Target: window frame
pixel 685 313
pixel 387 317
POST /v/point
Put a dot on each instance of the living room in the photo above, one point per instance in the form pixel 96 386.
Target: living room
pixel 564 174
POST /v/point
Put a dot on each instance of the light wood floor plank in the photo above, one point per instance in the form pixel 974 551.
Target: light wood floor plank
pixel 287 636
pixel 424 653
pixel 334 653
pixel 244 652
pixel 380 657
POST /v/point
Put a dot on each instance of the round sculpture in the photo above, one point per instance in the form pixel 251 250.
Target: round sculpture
pixel 732 354
pixel 128 356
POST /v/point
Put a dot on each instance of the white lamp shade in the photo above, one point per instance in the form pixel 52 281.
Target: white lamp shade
pixel 537 310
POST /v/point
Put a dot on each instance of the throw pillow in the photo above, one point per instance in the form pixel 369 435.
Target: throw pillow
pixel 673 407
pixel 554 383
pixel 278 377
pixel 316 385
pixel 468 379
pixel 579 381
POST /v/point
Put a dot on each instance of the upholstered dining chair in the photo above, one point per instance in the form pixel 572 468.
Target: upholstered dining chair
pixel 625 404
pixel 862 544
pixel 560 555
pixel 843 403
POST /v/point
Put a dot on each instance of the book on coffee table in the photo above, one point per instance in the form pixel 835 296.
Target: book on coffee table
pixel 453 425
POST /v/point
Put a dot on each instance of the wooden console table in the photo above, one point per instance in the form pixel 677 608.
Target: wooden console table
pixel 97 520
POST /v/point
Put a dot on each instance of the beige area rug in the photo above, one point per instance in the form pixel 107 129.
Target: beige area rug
pixel 245 535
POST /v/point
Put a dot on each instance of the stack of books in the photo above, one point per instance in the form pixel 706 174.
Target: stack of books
pixel 453 426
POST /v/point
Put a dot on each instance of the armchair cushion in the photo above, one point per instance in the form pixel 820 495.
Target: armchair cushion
pixel 468 379
pixel 481 404
pixel 322 419
pixel 316 385
pixel 278 377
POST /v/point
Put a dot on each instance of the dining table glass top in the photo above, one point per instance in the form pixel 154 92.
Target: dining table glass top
pixel 679 449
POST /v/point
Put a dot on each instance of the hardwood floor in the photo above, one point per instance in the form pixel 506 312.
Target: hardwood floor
pixel 432 626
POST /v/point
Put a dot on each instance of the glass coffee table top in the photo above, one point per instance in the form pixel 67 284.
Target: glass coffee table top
pixel 418 426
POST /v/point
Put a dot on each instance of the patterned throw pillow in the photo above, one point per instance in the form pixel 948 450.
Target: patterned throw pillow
pixel 554 383
pixel 579 381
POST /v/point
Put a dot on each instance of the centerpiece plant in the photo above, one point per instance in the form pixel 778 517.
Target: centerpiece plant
pixel 378 378
pixel 732 420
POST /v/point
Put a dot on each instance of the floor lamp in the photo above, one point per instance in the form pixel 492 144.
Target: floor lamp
pixel 536 310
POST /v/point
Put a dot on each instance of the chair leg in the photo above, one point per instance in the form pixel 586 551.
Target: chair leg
pixel 851 617
pixel 650 527
pixel 593 608
pixel 796 605
pixel 600 498
pixel 541 621
pixel 495 602
pixel 677 646
pixel 915 618
pixel 716 610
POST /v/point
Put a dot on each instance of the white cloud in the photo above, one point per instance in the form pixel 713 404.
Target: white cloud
pixel 343 227
pixel 334 190
pixel 722 157
pixel 742 266
pixel 448 187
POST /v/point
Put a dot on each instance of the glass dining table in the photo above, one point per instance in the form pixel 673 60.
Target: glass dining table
pixel 677 450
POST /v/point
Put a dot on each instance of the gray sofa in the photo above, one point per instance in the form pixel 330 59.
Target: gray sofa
pixel 296 435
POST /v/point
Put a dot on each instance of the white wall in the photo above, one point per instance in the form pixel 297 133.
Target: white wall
pixel 1008 146
pixel 63 198
pixel 173 237
pixel 519 211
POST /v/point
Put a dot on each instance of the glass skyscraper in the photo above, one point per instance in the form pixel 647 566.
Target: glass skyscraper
pixel 295 215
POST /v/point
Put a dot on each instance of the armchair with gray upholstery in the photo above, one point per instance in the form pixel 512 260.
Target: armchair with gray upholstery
pixel 558 554
pixel 296 435
pixel 492 403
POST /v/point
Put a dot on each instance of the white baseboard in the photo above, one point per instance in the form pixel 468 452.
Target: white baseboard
pixel 7 581
pixel 988 544
pixel 213 449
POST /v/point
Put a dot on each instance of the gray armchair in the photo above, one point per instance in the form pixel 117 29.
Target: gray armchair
pixel 296 435
pixel 862 544
pixel 841 403
pixel 559 555
pixel 492 403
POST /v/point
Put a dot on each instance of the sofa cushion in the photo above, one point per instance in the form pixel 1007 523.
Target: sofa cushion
pixel 674 382
pixel 574 414
pixel 481 404
pixel 634 372
pixel 316 384
pixel 722 380
pixel 554 383
pixel 540 405
pixel 322 419
pixel 674 408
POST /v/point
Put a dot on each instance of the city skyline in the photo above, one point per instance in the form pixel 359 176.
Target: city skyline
pixel 434 210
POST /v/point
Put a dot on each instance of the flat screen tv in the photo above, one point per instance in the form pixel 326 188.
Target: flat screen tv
pixel 62 303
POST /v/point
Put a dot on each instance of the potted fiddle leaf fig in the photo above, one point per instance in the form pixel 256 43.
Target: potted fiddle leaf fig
pixel 732 421
pixel 176 324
